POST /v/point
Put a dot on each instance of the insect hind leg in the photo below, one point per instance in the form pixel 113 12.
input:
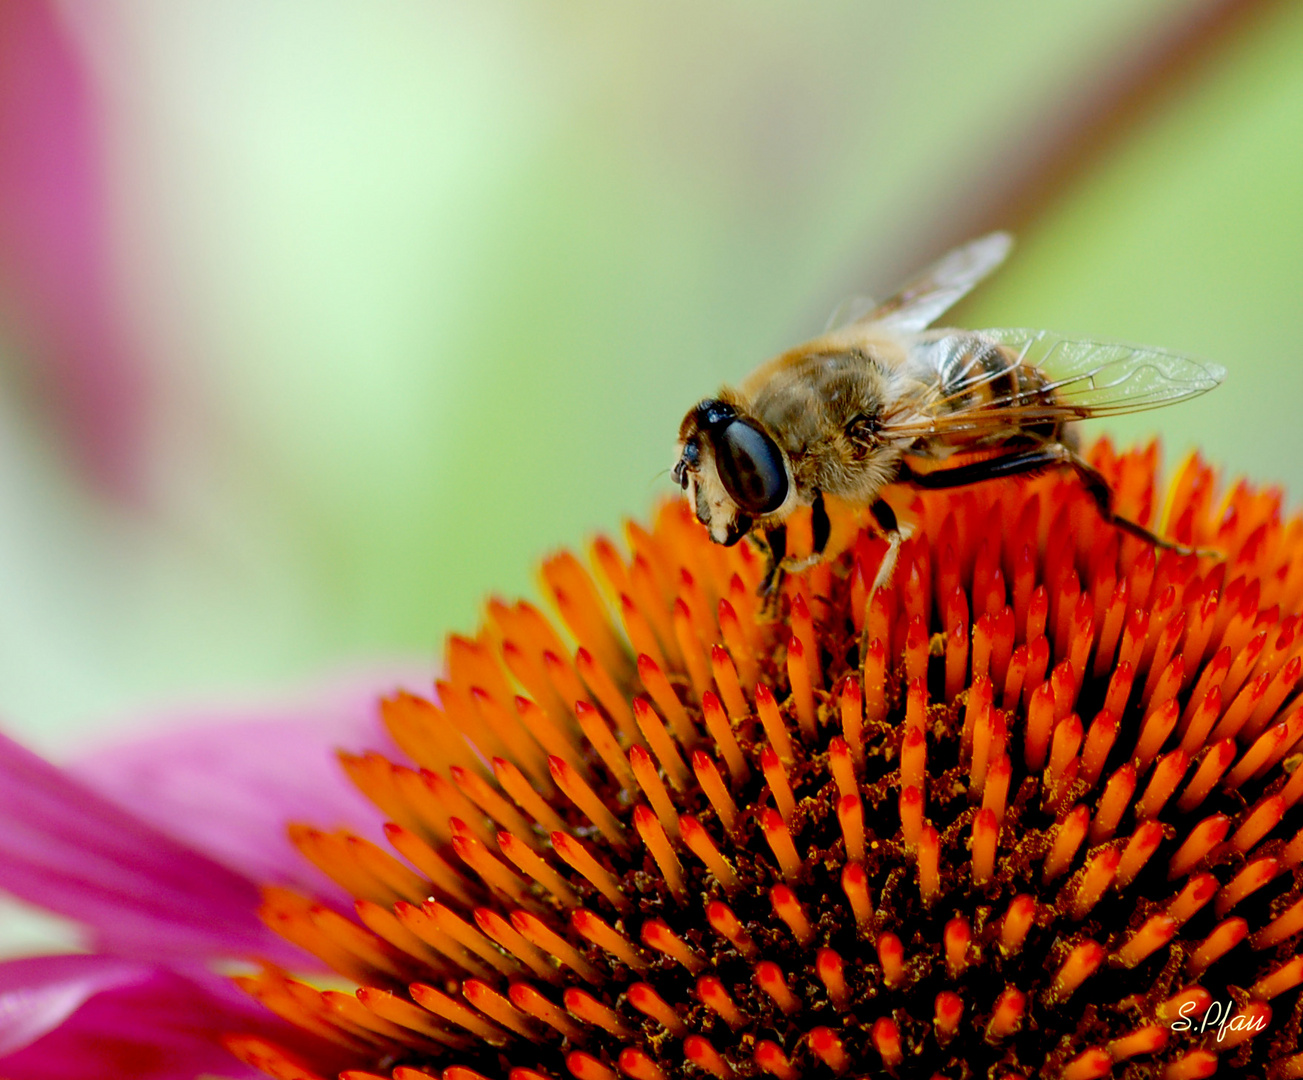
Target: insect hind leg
pixel 1098 489
pixel 1047 455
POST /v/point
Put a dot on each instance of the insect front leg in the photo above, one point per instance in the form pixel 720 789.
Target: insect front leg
pixel 774 546
pixel 821 530
pixel 779 563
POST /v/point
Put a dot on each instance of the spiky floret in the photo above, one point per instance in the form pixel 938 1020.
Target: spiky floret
pixel 1050 811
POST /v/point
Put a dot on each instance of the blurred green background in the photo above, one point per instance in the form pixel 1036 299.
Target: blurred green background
pixel 406 294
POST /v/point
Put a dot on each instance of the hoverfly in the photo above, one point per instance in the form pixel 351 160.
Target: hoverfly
pixel 883 400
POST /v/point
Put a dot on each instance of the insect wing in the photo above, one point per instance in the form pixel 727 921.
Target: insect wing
pixel 1106 378
pixel 942 285
pixel 851 310
pixel 988 381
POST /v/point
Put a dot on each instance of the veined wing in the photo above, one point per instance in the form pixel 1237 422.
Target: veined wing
pixel 990 380
pixel 942 285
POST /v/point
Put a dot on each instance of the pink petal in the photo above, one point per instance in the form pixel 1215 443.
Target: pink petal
pixel 39 994
pixel 142 893
pixel 53 263
pixel 229 789
pixel 94 1016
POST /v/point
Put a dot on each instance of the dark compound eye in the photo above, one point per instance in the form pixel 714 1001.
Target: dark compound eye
pixel 750 467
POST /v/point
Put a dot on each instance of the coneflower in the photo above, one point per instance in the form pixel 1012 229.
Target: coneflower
pixel 1043 823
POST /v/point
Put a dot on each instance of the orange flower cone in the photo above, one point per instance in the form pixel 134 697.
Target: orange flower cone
pixel 1031 810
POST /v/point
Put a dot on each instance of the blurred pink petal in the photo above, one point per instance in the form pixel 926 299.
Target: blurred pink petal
pixel 53 263
pixel 229 790
pixel 140 892
pixel 76 1017
pixel 158 847
pixel 38 994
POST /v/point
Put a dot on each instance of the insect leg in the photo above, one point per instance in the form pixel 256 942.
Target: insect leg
pixel 887 567
pixel 821 530
pixel 1043 457
pixel 885 518
pixel 820 523
pixel 1015 464
pixel 775 545
pixel 1099 490
pixel 778 563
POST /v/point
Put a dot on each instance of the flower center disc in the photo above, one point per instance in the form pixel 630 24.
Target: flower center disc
pixel 1045 822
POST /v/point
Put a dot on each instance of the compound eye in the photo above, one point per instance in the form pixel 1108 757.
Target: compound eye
pixel 750 467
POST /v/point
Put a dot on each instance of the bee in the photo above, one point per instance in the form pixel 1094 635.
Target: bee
pixel 885 400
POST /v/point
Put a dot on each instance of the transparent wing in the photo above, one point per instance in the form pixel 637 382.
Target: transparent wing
pixel 988 381
pixel 852 309
pixel 927 297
